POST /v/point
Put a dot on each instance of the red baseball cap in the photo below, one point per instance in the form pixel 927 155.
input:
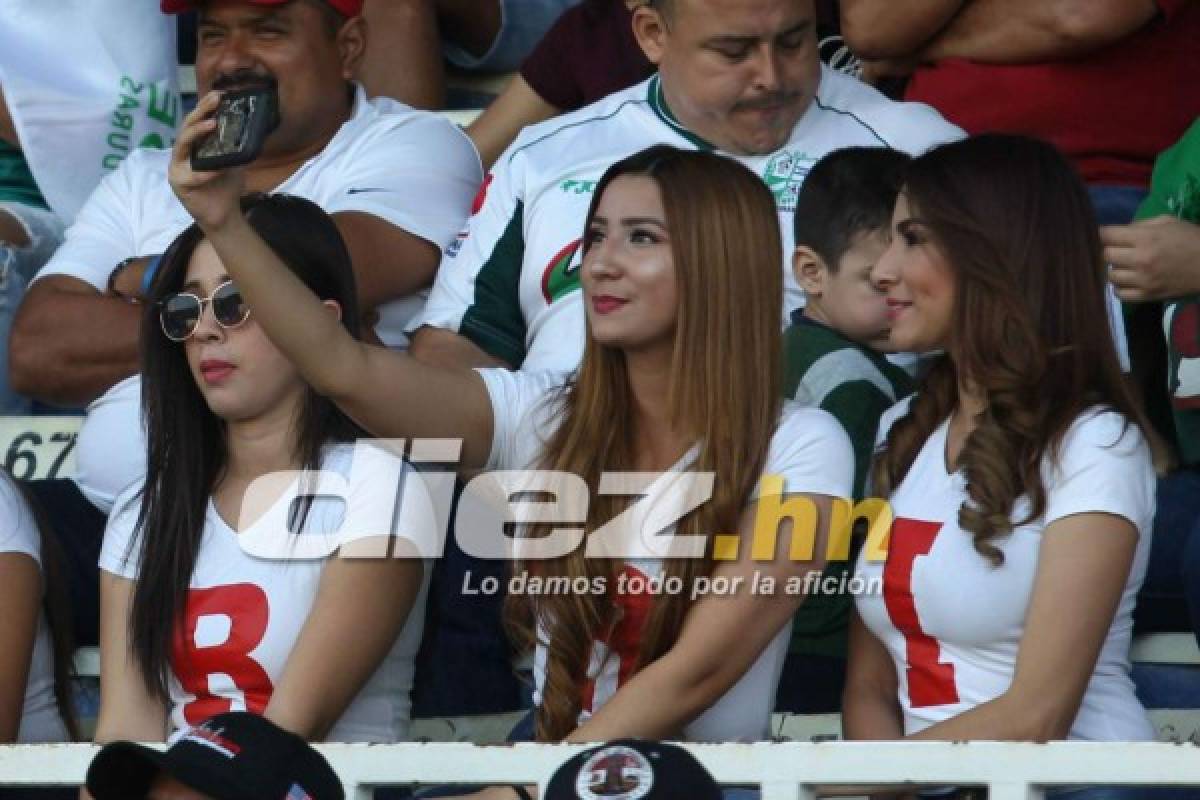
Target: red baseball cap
pixel 351 8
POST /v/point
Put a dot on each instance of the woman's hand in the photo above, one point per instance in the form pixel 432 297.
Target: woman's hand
pixel 212 198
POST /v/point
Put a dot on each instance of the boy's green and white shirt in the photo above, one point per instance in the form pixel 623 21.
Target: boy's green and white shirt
pixel 508 282
pixel 1175 190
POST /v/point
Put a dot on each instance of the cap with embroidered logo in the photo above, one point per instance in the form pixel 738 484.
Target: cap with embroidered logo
pixel 632 769
pixel 233 756
pixel 350 8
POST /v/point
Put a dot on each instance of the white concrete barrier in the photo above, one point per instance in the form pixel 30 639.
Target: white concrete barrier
pixel 783 771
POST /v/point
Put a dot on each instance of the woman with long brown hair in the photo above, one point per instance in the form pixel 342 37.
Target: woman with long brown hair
pixel 680 377
pixel 1019 475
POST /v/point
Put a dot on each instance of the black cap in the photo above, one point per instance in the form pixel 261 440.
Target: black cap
pixel 632 769
pixel 233 756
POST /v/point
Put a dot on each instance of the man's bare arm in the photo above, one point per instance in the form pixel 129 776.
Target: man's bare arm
pixel 517 106
pixel 877 29
pixel 1032 31
pixel 69 343
pixel 404 53
pixel 439 347
pixel 389 262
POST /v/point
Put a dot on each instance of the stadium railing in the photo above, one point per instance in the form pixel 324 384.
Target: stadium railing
pixel 783 771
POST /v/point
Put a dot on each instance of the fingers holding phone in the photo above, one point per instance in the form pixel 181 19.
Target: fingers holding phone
pixel 211 196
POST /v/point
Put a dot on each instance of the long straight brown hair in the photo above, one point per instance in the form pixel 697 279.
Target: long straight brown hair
pixel 724 392
pixel 1030 322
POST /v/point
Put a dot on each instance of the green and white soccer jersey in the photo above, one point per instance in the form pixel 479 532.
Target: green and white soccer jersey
pixel 508 282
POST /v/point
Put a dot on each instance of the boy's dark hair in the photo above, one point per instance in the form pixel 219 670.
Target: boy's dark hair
pixel 845 193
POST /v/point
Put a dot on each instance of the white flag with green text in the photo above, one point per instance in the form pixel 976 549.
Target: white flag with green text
pixel 86 81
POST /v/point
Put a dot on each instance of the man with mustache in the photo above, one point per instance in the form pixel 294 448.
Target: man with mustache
pixel 738 76
pixel 397 182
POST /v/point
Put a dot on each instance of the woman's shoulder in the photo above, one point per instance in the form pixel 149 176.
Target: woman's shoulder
pixel 1101 429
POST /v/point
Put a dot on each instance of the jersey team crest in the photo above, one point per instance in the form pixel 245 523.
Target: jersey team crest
pixel 561 276
pixel 615 773
pixel 784 174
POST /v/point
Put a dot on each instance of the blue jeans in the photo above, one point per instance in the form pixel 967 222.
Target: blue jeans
pixel 18 265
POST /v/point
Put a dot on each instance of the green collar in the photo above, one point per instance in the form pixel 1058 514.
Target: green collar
pixel 658 102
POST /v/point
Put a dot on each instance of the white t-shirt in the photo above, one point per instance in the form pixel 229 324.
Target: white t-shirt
pixel 963 620
pixel 809 450
pixel 508 282
pixel 413 169
pixel 40 720
pixel 244 614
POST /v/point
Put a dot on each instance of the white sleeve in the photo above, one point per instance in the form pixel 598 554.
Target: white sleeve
pixel 1102 466
pixel 521 415
pixel 18 529
pixel 115 554
pixel 415 170
pixel 812 453
pixel 102 235
pixel 910 127
pixel 481 271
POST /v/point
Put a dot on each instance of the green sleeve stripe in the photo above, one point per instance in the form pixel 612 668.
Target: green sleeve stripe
pixel 494 321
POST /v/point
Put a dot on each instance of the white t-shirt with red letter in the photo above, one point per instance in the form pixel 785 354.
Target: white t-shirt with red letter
pixel 809 450
pixel 244 615
pixel 953 623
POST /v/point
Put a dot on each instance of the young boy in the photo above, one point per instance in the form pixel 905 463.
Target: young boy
pixel 834 347
pixel 834 360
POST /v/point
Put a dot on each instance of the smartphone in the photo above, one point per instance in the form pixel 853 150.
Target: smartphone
pixel 244 119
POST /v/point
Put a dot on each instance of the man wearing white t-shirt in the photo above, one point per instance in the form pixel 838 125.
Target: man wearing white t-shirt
pixel 397 182
pixel 738 76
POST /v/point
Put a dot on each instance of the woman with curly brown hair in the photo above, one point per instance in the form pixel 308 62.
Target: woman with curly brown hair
pixel 1019 475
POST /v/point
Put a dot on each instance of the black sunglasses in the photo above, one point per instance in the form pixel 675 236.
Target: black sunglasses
pixel 180 313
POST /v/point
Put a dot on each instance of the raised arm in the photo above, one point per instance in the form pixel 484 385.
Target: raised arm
pixel 1030 31
pixel 388 393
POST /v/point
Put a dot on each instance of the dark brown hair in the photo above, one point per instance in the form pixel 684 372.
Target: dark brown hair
pixel 1030 323
pixel 185 440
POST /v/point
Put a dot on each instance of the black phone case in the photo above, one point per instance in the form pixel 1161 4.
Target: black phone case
pixel 244 118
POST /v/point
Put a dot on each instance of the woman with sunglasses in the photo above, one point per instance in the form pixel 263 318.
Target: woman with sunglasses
pixel 191 624
pixel 681 283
